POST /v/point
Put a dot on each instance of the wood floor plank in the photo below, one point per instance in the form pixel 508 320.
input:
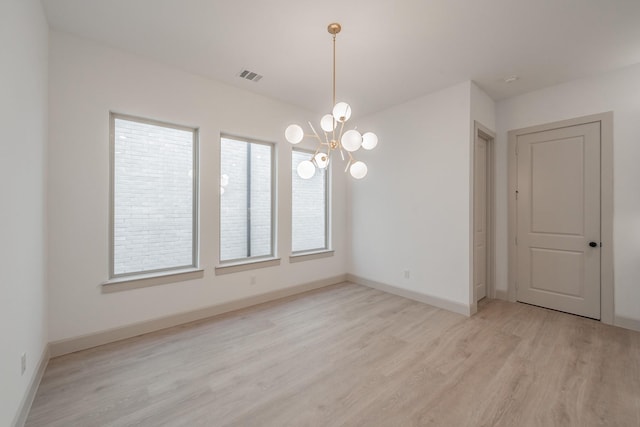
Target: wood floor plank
pixel 348 355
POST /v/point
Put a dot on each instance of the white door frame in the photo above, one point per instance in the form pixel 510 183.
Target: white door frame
pixel 480 131
pixel 606 206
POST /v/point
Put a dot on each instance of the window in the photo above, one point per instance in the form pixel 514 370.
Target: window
pixel 309 207
pixel 154 196
pixel 246 199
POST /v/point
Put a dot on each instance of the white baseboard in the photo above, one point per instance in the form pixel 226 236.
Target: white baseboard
pixel 30 394
pixel 627 323
pixel 473 309
pixel 445 304
pixel 70 345
pixel 500 294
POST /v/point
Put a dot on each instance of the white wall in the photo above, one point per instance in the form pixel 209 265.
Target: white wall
pixel 23 121
pixel 412 210
pixel 483 109
pixel 87 80
pixel 619 92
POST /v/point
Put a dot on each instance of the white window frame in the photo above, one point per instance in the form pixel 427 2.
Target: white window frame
pixel 169 271
pixel 326 250
pixel 245 263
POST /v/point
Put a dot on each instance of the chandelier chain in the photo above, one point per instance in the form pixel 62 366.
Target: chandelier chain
pixel 334 70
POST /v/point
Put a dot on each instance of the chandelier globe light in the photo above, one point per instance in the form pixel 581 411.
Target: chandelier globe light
pixel 335 137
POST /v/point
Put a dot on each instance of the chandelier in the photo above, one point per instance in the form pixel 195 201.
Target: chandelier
pixel 335 137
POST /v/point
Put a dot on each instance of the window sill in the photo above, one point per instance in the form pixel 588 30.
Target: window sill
pixel 235 267
pixel 152 279
pixel 308 256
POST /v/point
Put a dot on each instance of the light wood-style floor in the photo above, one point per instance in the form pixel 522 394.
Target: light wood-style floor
pixel 350 355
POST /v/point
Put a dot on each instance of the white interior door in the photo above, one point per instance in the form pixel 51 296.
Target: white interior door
pixel 558 219
pixel 480 218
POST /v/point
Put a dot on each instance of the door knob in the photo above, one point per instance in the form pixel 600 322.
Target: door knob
pixel 593 244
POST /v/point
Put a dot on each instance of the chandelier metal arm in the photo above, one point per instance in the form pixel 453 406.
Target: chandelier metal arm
pixel 349 162
pixel 315 136
pixel 313 130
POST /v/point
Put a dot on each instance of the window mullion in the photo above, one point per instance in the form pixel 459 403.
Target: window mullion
pixel 248 200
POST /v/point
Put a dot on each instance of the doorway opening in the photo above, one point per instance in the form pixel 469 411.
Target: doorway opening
pixel 483 214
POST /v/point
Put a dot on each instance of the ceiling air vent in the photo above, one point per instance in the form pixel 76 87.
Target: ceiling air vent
pixel 249 75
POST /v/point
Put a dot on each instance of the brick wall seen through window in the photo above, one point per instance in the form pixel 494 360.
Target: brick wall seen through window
pixel 153 196
pixel 246 217
pixel 309 207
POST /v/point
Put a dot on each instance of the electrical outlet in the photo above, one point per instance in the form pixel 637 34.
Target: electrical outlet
pixel 252 280
pixel 407 274
pixel 23 363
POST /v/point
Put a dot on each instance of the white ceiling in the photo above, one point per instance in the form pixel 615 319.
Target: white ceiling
pixel 388 51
